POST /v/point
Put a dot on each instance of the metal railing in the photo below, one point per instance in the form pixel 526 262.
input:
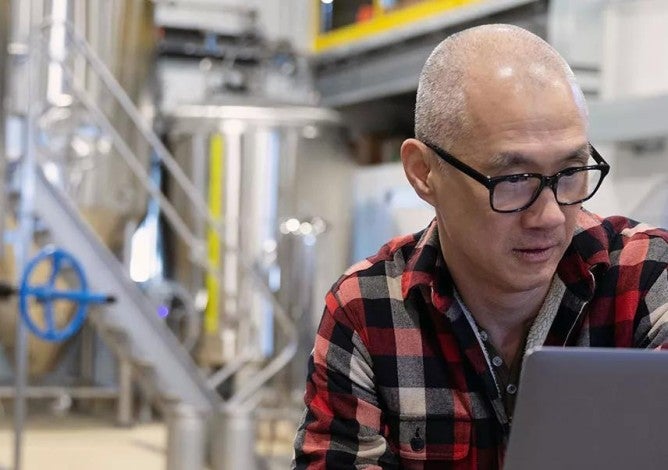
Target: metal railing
pixel 77 45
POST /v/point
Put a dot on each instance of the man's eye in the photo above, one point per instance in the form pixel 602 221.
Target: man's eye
pixel 516 178
pixel 571 170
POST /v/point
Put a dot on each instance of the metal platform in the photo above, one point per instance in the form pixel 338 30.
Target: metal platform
pixel 390 63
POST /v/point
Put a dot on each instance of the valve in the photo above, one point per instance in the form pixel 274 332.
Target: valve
pixel 47 294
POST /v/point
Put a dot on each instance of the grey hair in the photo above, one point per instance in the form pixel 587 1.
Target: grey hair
pixel 441 113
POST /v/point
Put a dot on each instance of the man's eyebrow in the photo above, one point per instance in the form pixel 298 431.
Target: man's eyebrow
pixel 510 159
pixel 581 154
pixel 507 159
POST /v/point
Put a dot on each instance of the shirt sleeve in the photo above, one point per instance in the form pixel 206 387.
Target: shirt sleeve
pixel 341 426
pixel 655 307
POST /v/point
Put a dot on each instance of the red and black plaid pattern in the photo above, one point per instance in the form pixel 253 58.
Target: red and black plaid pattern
pixel 397 378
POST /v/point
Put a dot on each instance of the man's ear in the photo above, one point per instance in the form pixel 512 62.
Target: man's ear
pixel 417 166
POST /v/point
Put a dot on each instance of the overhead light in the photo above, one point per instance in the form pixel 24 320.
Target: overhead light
pixel 326 2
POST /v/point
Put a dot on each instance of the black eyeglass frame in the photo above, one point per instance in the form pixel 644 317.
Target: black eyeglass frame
pixel 545 181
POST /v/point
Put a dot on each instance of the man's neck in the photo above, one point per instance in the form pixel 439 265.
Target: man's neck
pixel 505 317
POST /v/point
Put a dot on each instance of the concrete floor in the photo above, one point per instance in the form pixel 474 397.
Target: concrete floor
pixel 84 443
pixel 79 442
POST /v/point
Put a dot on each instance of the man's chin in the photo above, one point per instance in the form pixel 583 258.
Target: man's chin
pixel 526 280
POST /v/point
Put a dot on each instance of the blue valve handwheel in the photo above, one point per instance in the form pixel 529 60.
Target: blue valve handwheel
pixel 47 294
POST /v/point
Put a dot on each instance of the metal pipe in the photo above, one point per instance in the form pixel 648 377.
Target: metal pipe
pixel 24 242
pixel 235 443
pixel 124 409
pixel 4 37
pixel 186 437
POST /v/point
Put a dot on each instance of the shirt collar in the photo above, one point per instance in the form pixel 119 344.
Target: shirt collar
pixel 426 270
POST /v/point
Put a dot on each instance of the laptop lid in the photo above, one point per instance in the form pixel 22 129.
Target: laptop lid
pixel 591 408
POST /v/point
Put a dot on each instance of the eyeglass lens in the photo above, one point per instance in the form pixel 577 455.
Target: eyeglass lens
pixel 520 191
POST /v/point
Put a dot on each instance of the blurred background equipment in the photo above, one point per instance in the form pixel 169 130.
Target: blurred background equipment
pixel 194 263
pixel 215 165
pixel 4 36
pixel 75 151
pixel 247 161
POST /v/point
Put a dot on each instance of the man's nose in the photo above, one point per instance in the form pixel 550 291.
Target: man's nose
pixel 545 212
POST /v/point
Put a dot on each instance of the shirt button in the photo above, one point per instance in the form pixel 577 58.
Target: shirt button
pixel 417 443
pixel 497 361
pixel 483 335
pixel 511 388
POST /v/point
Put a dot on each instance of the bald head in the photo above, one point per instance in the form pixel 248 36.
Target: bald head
pixel 480 66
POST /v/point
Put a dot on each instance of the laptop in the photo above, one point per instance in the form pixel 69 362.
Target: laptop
pixel 591 408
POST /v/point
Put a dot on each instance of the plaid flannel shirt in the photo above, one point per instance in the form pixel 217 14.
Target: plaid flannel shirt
pixel 398 378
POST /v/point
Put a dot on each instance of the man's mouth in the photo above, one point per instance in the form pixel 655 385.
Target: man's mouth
pixel 535 254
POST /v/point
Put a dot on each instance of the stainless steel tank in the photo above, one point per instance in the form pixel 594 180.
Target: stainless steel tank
pixel 274 176
pixel 74 149
pixel 121 33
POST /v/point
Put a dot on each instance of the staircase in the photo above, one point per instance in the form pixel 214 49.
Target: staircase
pixel 131 325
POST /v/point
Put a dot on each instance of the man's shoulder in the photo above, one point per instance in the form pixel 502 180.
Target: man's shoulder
pixel 370 277
pixel 619 240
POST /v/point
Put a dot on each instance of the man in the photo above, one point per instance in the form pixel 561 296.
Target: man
pixel 418 355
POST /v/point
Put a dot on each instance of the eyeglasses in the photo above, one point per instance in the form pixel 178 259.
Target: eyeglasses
pixel 515 193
